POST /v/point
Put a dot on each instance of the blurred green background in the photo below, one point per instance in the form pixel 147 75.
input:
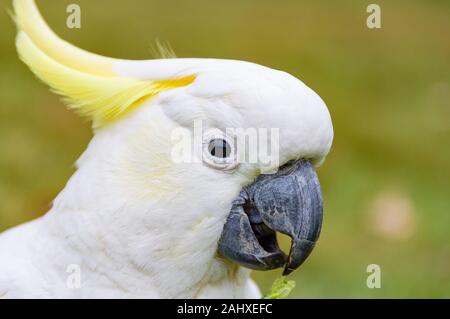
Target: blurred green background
pixel 386 182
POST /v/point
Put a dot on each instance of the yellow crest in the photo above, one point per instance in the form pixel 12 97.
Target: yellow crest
pixel 85 80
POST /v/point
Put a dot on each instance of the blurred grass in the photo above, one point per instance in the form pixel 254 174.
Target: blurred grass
pixel 388 91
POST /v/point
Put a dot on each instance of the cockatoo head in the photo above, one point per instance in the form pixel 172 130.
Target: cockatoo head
pixel 199 159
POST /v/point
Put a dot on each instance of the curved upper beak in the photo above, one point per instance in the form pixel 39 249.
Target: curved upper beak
pixel 289 202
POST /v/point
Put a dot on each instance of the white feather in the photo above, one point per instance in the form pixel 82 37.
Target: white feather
pixel 138 224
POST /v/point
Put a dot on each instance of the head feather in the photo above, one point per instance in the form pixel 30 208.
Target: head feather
pixel 85 80
pixel 162 50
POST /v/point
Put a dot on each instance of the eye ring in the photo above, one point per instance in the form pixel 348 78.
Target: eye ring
pixel 219 150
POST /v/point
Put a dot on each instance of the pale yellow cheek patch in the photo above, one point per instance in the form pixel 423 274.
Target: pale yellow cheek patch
pixel 145 170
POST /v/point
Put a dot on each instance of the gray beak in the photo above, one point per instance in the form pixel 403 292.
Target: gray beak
pixel 289 202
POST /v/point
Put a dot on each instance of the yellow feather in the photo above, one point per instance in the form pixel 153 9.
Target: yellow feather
pixel 162 50
pixel 100 98
pixel 29 20
pixel 85 80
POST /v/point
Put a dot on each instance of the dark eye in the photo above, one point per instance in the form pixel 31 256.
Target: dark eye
pixel 219 148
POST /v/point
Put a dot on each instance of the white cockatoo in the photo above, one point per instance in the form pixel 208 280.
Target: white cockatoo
pixel 136 222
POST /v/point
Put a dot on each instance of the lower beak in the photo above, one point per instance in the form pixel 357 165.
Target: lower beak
pixel 289 202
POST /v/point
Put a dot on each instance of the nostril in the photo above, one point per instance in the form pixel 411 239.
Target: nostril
pixel 287 164
pixel 288 167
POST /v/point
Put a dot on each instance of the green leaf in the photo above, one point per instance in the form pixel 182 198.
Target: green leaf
pixel 281 288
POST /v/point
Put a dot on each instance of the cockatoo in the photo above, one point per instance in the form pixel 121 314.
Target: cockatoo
pixel 132 222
